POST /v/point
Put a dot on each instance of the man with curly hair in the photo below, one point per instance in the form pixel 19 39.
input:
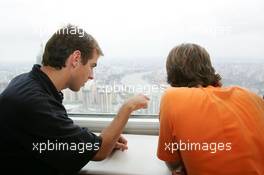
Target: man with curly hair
pixel 205 128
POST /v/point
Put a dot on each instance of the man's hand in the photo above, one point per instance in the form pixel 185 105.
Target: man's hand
pixel 121 144
pixel 177 168
pixel 180 171
pixel 137 102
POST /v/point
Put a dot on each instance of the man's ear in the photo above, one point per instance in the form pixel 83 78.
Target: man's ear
pixel 75 58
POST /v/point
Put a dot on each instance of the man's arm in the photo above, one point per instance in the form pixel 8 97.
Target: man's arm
pixel 111 134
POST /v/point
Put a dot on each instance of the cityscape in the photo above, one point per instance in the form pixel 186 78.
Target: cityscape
pixel 116 81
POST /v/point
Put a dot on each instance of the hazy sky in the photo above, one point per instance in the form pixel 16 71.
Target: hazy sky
pixel 125 29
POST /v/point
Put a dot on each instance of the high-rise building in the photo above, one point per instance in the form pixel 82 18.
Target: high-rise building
pixel 3 85
pixel 40 54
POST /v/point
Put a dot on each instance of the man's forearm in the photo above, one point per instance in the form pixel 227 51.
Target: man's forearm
pixel 113 131
pixel 111 134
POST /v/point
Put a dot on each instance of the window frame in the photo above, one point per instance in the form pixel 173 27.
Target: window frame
pixel 137 124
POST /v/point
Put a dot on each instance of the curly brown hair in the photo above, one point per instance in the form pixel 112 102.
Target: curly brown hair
pixel 189 65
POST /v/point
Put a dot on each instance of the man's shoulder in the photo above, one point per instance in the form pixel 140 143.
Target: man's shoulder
pixel 180 92
pixel 233 92
pixel 21 87
pixel 246 94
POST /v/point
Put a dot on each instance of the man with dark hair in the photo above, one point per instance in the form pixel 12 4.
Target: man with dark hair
pixel 37 136
pixel 206 128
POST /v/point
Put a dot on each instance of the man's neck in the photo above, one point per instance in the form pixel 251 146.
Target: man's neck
pixel 58 77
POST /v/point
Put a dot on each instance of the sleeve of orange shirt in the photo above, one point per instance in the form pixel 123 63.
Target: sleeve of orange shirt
pixel 166 151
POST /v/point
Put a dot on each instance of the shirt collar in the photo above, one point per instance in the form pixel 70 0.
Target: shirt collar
pixel 45 82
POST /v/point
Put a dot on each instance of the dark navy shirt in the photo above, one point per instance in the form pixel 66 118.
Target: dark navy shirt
pixel 36 134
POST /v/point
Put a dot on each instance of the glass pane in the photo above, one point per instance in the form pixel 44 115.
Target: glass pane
pixel 136 37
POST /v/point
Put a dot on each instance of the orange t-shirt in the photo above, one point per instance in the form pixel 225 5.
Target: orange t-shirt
pixel 213 130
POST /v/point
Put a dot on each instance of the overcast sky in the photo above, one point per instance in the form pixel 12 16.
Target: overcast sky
pixel 126 29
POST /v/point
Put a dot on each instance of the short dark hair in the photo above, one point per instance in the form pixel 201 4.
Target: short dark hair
pixel 189 65
pixel 64 42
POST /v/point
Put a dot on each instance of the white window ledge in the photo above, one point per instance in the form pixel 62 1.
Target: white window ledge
pixel 139 159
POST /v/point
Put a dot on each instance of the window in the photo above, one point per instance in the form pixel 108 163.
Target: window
pixel 136 37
